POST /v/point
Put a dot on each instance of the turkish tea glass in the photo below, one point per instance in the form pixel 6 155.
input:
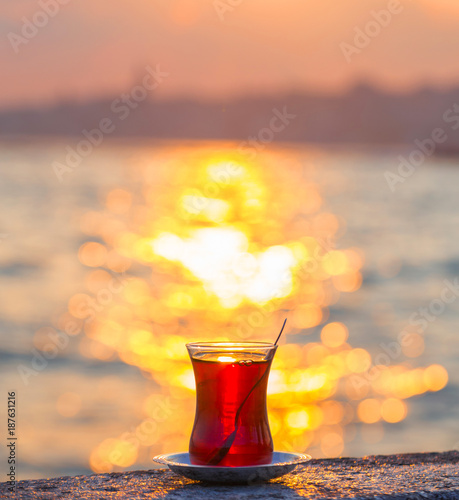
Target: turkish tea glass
pixel 231 425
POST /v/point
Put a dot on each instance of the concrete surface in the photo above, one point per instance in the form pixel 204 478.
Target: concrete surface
pixel 410 476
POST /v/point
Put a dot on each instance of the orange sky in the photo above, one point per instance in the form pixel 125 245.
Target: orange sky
pixel 96 47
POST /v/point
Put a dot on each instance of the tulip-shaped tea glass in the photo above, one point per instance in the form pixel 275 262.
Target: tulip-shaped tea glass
pixel 231 425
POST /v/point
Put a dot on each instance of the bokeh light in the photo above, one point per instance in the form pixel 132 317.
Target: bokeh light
pixel 68 404
pixel 216 247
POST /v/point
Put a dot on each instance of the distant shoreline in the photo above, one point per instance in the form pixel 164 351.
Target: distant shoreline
pixel 111 142
pixel 361 117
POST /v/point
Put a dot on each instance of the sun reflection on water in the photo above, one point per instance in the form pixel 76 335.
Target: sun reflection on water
pixel 216 247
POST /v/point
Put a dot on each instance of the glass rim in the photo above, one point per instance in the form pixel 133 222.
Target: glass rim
pixel 230 345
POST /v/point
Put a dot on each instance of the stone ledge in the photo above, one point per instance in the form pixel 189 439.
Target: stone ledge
pixel 409 476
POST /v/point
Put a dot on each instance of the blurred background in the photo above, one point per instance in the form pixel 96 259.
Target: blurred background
pixel 179 170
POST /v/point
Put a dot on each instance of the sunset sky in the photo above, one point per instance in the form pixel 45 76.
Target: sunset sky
pixel 99 47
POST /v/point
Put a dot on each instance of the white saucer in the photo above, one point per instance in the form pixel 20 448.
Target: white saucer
pixel 282 463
